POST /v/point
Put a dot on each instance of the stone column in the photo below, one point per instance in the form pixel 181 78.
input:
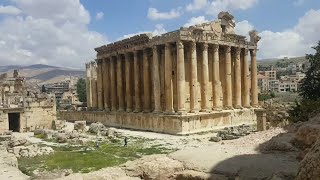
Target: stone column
pixel 245 93
pixel 228 102
pixel 128 82
pixel 99 84
pixel 94 85
pixel 156 80
pixel 168 79
pixel 146 81
pixel 120 84
pixel 180 77
pixel 205 105
pixel 106 84
pixel 217 91
pixel 254 83
pixel 113 84
pixel 88 85
pixel 136 82
pixel 194 79
pixel 237 79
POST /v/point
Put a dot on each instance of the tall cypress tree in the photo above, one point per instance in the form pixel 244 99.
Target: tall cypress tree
pixel 310 87
pixel 81 90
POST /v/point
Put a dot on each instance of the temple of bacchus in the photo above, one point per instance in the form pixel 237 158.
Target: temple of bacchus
pixel 194 79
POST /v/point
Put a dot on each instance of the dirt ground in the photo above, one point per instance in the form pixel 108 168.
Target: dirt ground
pixel 237 158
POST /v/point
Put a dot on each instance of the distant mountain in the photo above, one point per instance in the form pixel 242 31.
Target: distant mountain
pixel 41 73
pixel 39 66
pixel 295 60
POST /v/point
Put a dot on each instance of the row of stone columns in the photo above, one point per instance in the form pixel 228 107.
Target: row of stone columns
pixel 112 77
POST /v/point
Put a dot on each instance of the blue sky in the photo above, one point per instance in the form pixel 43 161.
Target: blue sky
pixel 65 32
pixel 274 15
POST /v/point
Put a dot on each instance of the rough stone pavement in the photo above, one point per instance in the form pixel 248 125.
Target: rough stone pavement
pixel 9 166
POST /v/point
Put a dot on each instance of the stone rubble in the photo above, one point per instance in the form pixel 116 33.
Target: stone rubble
pixel 23 148
pixel 234 132
pixel 80 125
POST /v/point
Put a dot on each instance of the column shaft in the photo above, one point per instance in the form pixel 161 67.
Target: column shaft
pixel 128 82
pixel 168 79
pixel 113 84
pixel 146 81
pixel 194 79
pixel 94 85
pixel 217 88
pixel 99 84
pixel 228 86
pixel 120 84
pixel 205 105
pixel 106 84
pixel 156 80
pixel 237 79
pixel 254 83
pixel 180 77
pixel 136 82
pixel 88 85
pixel 246 77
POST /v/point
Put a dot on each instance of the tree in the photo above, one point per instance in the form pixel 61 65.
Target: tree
pixel 310 86
pixel 309 90
pixel 81 90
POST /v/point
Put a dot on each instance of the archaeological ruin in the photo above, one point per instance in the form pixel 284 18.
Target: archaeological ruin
pixel 194 79
pixel 22 110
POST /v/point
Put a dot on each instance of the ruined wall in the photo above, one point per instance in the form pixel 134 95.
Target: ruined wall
pixel 4 124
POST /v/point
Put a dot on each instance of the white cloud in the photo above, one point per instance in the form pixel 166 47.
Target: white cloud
pixel 295 41
pixel 213 7
pixel 59 11
pixel 196 5
pixel 99 15
pixel 217 6
pixel 159 29
pixel 243 28
pixel 9 10
pixel 59 37
pixel 154 14
pixel 195 20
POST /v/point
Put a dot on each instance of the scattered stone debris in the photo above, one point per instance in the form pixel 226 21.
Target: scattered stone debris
pixel 234 132
pixel 215 139
pixel 80 125
pixel 58 124
pixel 23 148
pixel 97 127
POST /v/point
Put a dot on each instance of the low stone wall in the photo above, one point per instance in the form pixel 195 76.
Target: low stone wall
pixel 170 124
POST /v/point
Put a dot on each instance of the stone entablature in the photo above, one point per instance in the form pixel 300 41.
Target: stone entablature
pixel 210 32
pixel 198 68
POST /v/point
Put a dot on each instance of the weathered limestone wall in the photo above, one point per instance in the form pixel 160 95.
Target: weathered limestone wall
pixel 30 118
pixel 171 124
pixel 4 124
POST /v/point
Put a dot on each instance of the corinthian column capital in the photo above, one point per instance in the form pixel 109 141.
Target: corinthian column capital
pixel 180 45
pixel 238 51
pixel 253 52
pixel 205 46
pixel 228 49
pixel 215 47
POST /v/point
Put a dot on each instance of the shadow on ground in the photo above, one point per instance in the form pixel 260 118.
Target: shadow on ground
pixel 277 160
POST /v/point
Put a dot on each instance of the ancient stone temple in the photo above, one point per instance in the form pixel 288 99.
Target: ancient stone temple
pixel 193 79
